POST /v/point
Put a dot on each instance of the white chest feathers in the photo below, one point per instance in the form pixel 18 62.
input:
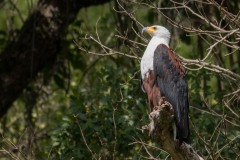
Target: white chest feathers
pixel 147 58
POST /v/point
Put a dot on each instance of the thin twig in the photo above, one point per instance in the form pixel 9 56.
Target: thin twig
pixel 84 139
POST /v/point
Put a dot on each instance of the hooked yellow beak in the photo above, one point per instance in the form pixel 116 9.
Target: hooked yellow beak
pixel 148 30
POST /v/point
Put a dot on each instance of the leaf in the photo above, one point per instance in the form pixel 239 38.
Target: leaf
pixel 59 81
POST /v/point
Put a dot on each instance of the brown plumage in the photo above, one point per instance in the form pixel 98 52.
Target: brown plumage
pixel 163 77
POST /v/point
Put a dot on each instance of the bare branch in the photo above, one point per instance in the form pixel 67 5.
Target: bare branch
pixel 160 129
pixel 84 139
pixel 212 67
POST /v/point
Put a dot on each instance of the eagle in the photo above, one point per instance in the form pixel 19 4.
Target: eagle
pixel 163 77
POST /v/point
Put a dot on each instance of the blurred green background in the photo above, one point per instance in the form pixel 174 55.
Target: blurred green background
pixel 90 106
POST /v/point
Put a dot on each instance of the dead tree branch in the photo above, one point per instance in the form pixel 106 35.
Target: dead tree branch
pixel 160 130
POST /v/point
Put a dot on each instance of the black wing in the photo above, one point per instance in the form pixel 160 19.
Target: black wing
pixel 173 86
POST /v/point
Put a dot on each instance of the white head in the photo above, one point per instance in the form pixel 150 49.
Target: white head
pixel 158 31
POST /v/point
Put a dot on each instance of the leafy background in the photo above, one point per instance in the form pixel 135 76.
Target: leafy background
pixel 91 106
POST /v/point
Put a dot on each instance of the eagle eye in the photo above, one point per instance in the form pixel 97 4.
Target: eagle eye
pixel 154 28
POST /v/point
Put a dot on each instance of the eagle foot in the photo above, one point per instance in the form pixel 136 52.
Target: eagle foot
pixel 168 106
pixel 155 108
pixel 161 101
pixel 159 104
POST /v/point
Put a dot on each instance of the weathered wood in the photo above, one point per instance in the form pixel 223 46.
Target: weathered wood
pixel 161 131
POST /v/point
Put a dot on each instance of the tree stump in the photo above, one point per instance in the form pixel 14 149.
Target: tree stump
pixel 161 131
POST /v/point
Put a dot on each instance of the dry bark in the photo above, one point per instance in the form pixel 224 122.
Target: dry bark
pixel 161 132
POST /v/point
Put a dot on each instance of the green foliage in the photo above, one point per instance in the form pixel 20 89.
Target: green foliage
pixel 92 106
pixel 107 114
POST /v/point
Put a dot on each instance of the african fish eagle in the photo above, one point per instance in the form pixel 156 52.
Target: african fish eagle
pixel 163 75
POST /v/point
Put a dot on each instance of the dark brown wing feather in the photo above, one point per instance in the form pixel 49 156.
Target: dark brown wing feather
pixel 173 86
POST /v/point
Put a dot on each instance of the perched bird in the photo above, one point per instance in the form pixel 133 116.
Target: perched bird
pixel 163 75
